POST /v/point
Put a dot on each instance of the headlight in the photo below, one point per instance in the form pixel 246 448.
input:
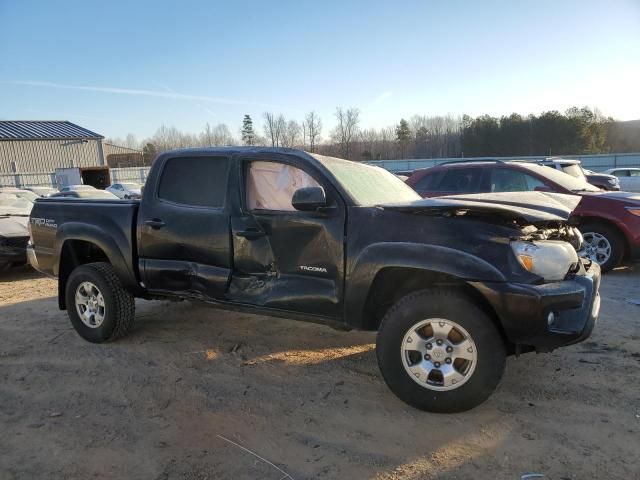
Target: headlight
pixel 551 259
pixel 633 211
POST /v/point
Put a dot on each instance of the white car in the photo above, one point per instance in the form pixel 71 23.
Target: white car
pixel 77 188
pixel 20 193
pixel 125 190
pixel 629 178
pixel 42 191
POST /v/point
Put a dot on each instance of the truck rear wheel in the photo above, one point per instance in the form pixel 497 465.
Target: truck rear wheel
pixel 98 305
pixel 439 352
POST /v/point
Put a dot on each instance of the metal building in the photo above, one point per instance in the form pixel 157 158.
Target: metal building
pixel 43 146
pixel 122 157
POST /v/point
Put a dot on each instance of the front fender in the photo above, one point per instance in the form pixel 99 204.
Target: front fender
pixel 432 258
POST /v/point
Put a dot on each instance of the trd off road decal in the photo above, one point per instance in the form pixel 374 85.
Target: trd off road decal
pixel 44 222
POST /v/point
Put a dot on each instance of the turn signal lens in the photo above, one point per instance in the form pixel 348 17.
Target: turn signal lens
pixel 526 261
pixel 634 211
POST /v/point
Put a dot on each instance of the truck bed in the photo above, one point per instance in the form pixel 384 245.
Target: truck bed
pixel 113 222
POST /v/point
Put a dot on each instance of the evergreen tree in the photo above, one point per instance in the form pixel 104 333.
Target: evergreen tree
pixel 248 135
pixel 403 135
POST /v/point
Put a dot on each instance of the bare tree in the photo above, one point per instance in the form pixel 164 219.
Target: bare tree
pixel 222 135
pixel 291 134
pixel 313 127
pixel 206 137
pixel 274 127
pixel 348 121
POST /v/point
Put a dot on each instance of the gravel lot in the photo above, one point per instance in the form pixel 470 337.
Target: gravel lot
pixel 192 387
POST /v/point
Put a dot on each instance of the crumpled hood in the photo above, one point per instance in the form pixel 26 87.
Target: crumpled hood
pixel 14 226
pixel 531 207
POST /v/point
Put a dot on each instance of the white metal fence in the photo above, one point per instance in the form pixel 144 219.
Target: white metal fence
pixel 596 163
pixel 132 174
pixel 48 179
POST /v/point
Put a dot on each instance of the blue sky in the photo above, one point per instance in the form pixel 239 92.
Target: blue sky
pixel 128 66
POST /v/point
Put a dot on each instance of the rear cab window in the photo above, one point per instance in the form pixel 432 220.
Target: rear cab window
pixel 195 181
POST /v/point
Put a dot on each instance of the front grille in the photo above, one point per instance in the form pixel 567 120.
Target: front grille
pixel 14 242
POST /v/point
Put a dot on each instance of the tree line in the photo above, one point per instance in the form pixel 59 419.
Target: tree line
pixel 576 131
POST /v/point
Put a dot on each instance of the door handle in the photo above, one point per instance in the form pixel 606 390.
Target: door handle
pixel 155 223
pixel 250 233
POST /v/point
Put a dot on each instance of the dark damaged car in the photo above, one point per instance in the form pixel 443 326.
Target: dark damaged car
pixel 14 234
pixel 451 285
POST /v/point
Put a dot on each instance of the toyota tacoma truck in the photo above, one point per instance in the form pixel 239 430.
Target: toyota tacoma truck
pixel 451 285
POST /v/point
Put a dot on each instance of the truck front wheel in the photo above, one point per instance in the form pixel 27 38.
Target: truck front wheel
pixel 98 305
pixel 439 352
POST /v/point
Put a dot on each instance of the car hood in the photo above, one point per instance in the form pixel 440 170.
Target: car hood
pixel 600 176
pixel 527 207
pixel 626 197
pixel 14 226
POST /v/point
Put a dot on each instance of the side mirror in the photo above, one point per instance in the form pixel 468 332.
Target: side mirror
pixel 309 199
pixel 543 188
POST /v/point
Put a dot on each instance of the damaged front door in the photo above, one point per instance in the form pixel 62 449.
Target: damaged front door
pixel 285 258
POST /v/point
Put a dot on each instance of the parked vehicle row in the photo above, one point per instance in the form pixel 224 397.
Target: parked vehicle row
pixel 452 285
pixel 629 178
pixel 574 168
pixel 16 205
pixel 609 221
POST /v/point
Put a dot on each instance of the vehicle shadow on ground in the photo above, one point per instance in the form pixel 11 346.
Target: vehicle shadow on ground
pixel 24 272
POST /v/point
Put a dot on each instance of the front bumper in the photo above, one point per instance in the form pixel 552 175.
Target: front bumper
pixel 524 309
pixel 13 250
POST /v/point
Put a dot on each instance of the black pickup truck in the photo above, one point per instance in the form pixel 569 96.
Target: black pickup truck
pixel 452 285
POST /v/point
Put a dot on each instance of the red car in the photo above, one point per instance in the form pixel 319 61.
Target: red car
pixel 609 221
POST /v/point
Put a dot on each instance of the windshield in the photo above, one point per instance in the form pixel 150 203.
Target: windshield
pixel 13 205
pixel 368 185
pixel 564 180
pixel 573 169
pixel 131 186
pixel 32 197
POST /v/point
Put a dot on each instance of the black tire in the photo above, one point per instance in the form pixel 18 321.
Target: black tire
pixel 450 305
pixel 119 304
pixel 614 238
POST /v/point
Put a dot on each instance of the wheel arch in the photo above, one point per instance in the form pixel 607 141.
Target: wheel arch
pixel 79 244
pixel 372 286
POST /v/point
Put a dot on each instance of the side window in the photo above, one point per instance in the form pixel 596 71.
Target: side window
pixel 460 180
pixel 195 181
pixel 621 173
pixel 429 181
pixel 270 185
pixel 506 180
pixel 634 173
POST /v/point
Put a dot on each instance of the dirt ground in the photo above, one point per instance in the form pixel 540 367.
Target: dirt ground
pixel 192 391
